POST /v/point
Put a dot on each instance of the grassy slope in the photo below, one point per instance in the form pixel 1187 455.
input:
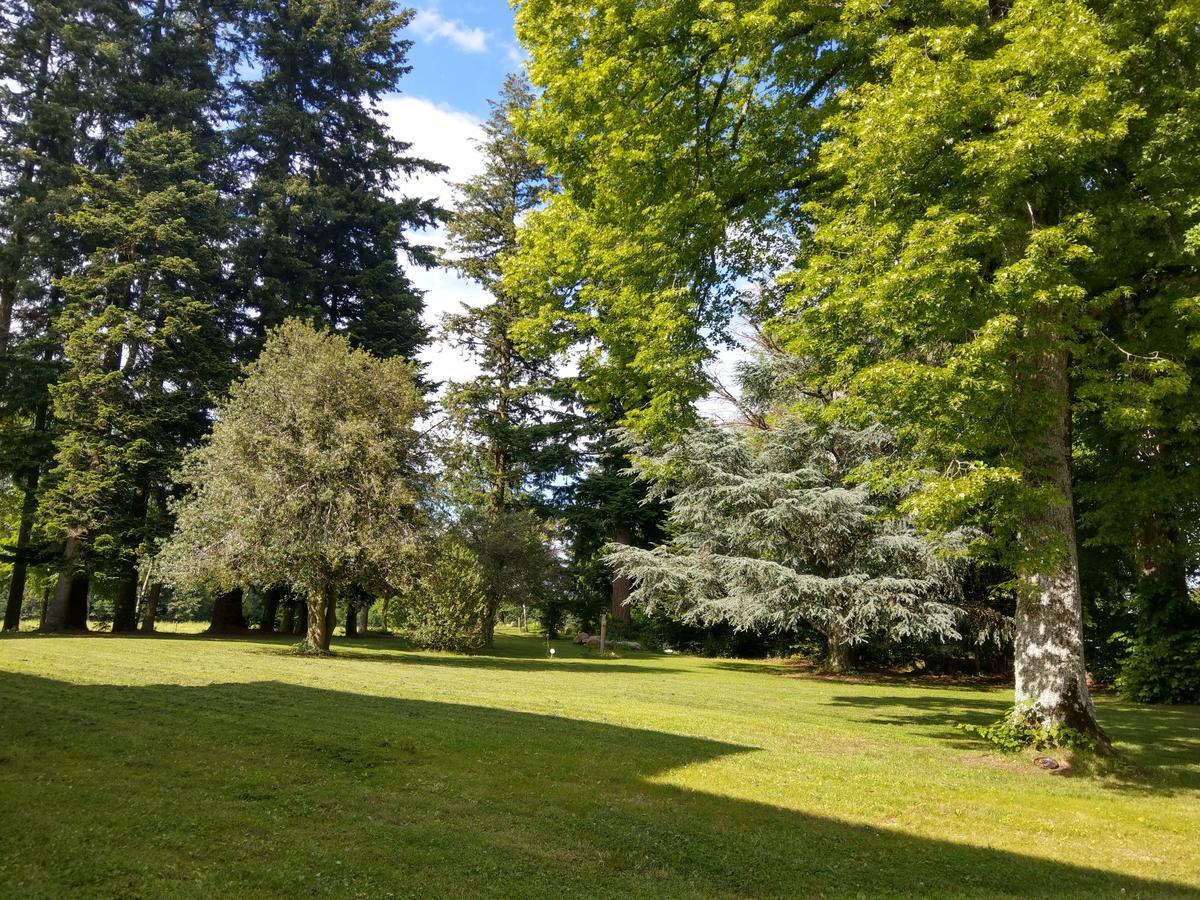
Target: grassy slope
pixel 200 767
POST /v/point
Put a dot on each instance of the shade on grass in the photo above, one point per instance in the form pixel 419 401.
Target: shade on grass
pixel 192 766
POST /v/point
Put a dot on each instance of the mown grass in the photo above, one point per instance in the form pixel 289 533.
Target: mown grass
pixel 201 767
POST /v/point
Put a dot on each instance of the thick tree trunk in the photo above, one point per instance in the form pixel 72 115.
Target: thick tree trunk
pixel 227 614
pixel 68 606
pixel 319 604
pixel 619 611
pixel 271 600
pixel 125 602
pixel 839 656
pixel 351 620
pixel 20 566
pixel 363 609
pixel 1048 651
pixel 150 601
pixel 288 620
pixel 301 626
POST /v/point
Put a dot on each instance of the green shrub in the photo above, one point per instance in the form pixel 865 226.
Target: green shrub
pixel 1021 728
pixel 447 606
pixel 1163 671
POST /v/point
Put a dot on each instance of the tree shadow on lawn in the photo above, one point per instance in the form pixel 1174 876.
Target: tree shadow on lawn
pixel 500 663
pixel 265 788
pixel 1159 746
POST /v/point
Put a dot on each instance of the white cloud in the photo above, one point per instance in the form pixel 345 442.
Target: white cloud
pixel 450 137
pixel 429 24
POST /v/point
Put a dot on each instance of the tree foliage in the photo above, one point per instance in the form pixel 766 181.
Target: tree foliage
pixel 767 531
pixel 312 477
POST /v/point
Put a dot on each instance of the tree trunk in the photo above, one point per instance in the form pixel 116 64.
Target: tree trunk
pixel 351 619
pixel 319 604
pixel 125 603
pixel 363 609
pixel 227 614
pixel 289 616
pixel 150 602
pixel 330 617
pixel 838 657
pixel 301 626
pixel 68 606
pixel 619 611
pixel 1048 650
pixel 271 600
pixel 20 566
pixel 490 611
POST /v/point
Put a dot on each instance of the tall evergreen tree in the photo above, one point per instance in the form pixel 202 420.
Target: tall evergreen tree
pixel 322 230
pixel 514 433
pixel 145 354
pixel 59 62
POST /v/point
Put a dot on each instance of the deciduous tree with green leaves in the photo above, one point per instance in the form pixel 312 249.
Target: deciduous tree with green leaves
pixel 312 477
pixel 968 256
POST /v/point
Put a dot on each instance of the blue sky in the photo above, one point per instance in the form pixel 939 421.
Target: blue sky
pixel 462 49
pixel 461 52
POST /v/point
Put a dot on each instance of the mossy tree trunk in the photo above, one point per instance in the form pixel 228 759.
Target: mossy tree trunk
pixel 319 628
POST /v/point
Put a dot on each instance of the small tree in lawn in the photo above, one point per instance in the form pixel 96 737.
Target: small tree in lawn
pixel 311 477
pixel 767 533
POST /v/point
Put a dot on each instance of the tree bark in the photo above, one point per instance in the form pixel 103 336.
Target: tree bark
pixel 301 625
pixel 125 602
pixel 1048 654
pixel 271 600
pixel 319 604
pixel 289 616
pixel 619 611
pixel 838 656
pixel 150 602
pixel 330 616
pixel 363 609
pixel 351 619
pixel 227 614
pixel 68 606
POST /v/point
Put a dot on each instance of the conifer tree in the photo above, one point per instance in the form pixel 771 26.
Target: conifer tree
pixel 322 232
pixel 59 62
pixel 145 354
pixel 767 531
pixel 513 431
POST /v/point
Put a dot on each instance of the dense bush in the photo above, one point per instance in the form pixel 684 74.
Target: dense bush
pixel 447 607
pixel 1163 671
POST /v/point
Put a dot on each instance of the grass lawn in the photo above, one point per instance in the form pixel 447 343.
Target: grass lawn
pixel 190 766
